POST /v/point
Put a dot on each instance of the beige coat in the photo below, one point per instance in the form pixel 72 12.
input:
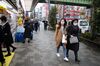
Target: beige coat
pixel 58 36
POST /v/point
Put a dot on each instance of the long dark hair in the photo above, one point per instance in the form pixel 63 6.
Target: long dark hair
pixel 65 23
pixel 3 18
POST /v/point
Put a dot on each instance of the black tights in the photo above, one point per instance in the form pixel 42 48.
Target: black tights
pixel 75 53
pixel 1 55
pixel 8 47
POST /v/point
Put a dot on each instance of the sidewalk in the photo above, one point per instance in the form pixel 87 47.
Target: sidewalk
pixel 42 52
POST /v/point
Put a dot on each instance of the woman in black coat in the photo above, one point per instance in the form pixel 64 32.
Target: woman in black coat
pixel 73 30
pixel 7 35
pixel 28 30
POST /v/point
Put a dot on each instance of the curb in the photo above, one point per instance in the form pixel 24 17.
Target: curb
pixel 92 42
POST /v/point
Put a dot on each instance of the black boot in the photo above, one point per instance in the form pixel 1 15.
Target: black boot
pixel 14 48
pixel 28 40
pixel 9 54
pixel 76 56
pixel 77 60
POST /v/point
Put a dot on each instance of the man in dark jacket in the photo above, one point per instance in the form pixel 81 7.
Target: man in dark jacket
pixel 45 24
pixel 2 60
pixel 36 25
pixel 7 35
pixel 28 30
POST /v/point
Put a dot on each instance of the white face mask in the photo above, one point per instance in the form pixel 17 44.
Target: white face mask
pixel 75 24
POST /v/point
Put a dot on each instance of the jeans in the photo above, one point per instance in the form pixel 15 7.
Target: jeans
pixel 64 50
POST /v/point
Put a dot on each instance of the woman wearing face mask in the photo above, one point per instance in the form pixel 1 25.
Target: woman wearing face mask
pixel 7 35
pixel 59 35
pixel 73 31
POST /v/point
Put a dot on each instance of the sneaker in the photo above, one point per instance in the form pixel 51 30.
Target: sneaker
pixel 66 59
pixel 58 55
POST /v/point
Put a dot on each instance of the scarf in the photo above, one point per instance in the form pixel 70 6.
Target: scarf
pixel 2 24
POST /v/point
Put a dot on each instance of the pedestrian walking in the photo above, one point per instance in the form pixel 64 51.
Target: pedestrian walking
pixel 32 27
pixel 60 37
pixel 7 35
pixel 2 60
pixel 72 39
pixel 45 24
pixel 28 31
pixel 36 25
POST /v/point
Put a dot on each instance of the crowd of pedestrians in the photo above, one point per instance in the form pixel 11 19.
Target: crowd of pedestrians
pixel 23 31
pixel 65 36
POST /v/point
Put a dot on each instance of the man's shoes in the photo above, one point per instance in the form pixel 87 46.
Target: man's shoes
pixel 7 55
pixel 77 60
pixel 14 49
pixel 28 41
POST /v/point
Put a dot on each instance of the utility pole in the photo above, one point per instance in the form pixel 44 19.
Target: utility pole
pixel 48 9
pixel 48 1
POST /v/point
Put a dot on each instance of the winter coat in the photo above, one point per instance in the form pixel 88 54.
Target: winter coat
pixel 58 36
pixel 28 30
pixel 72 30
pixel 7 35
pixel 1 34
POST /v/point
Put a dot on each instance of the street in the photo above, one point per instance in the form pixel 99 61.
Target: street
pixel 41 51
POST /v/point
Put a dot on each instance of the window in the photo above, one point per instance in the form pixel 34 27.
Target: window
pixel 83 23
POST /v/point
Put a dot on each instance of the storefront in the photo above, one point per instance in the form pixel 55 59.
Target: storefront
pixel 11 14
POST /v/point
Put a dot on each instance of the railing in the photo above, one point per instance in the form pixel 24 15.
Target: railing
pixel 75 1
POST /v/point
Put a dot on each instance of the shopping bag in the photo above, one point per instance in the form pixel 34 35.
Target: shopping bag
pixel 64 39
pixel 19 37
pixel 20 29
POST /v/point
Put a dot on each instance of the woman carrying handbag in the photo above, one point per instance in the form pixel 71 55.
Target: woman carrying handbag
pixel 60 38
pixel 72 39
